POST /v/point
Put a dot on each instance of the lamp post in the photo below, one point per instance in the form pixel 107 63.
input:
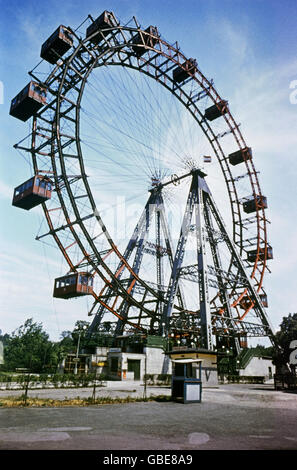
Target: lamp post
pixel 77 350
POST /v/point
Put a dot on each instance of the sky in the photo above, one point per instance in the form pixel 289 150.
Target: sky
pixel 248 47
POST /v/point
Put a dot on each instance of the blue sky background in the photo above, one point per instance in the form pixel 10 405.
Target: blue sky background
pixel 249 49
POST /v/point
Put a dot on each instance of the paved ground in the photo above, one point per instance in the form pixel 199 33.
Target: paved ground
pixel 113 389
pixel 230 417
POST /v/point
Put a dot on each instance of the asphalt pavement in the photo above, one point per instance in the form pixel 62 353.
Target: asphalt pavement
pixel 230 417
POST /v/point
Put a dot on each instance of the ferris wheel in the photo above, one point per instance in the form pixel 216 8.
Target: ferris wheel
pixel 147 186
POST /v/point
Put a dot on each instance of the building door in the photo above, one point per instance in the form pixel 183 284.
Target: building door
pixel 134 366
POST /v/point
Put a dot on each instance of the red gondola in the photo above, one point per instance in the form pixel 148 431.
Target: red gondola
pixel 217 110
pixel 251 206
pixel 105 20
pixel 28 101
pixel 240 156
pixel 34 191
pixel 243 341
pixel 56 45
pixel 246 301
pixel 179 74
pixel 252 255
pixel 73 285
pixel 146 40
pixel 264 300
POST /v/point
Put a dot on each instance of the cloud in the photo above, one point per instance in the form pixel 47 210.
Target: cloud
pixel 234 40
pixel 26 290
pixel 259 98
pixel 5 190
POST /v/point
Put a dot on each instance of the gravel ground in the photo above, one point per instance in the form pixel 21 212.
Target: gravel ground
pixel 112 389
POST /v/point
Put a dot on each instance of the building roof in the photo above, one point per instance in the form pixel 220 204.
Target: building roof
pixel 186 361
pixel 183 350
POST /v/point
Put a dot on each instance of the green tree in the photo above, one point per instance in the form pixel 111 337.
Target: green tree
pixel 29 347
pixel 286 334
pixel 4 338
pixel 265 351
pixel 66 344
pixel 79 334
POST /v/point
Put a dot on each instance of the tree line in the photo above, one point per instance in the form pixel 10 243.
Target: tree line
pixel 29 346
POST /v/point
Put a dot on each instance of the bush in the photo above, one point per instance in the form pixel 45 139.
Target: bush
pixel 56 380
pixel 149 378
pixel 160 379
pixel 43 378
pixel 245 379
pixel 164 378
pixel 5 378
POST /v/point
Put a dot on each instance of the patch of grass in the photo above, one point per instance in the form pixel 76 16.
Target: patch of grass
pixel 14 402
pixel 162 398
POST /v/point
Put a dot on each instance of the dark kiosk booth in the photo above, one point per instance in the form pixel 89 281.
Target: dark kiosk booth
pixel 186 380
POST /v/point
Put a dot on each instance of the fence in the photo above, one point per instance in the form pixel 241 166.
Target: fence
pixel 157 379
pixel 40 381
pixel 285 381
pixel 243 379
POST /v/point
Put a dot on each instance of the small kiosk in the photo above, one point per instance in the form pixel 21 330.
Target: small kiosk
pixel 186 380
